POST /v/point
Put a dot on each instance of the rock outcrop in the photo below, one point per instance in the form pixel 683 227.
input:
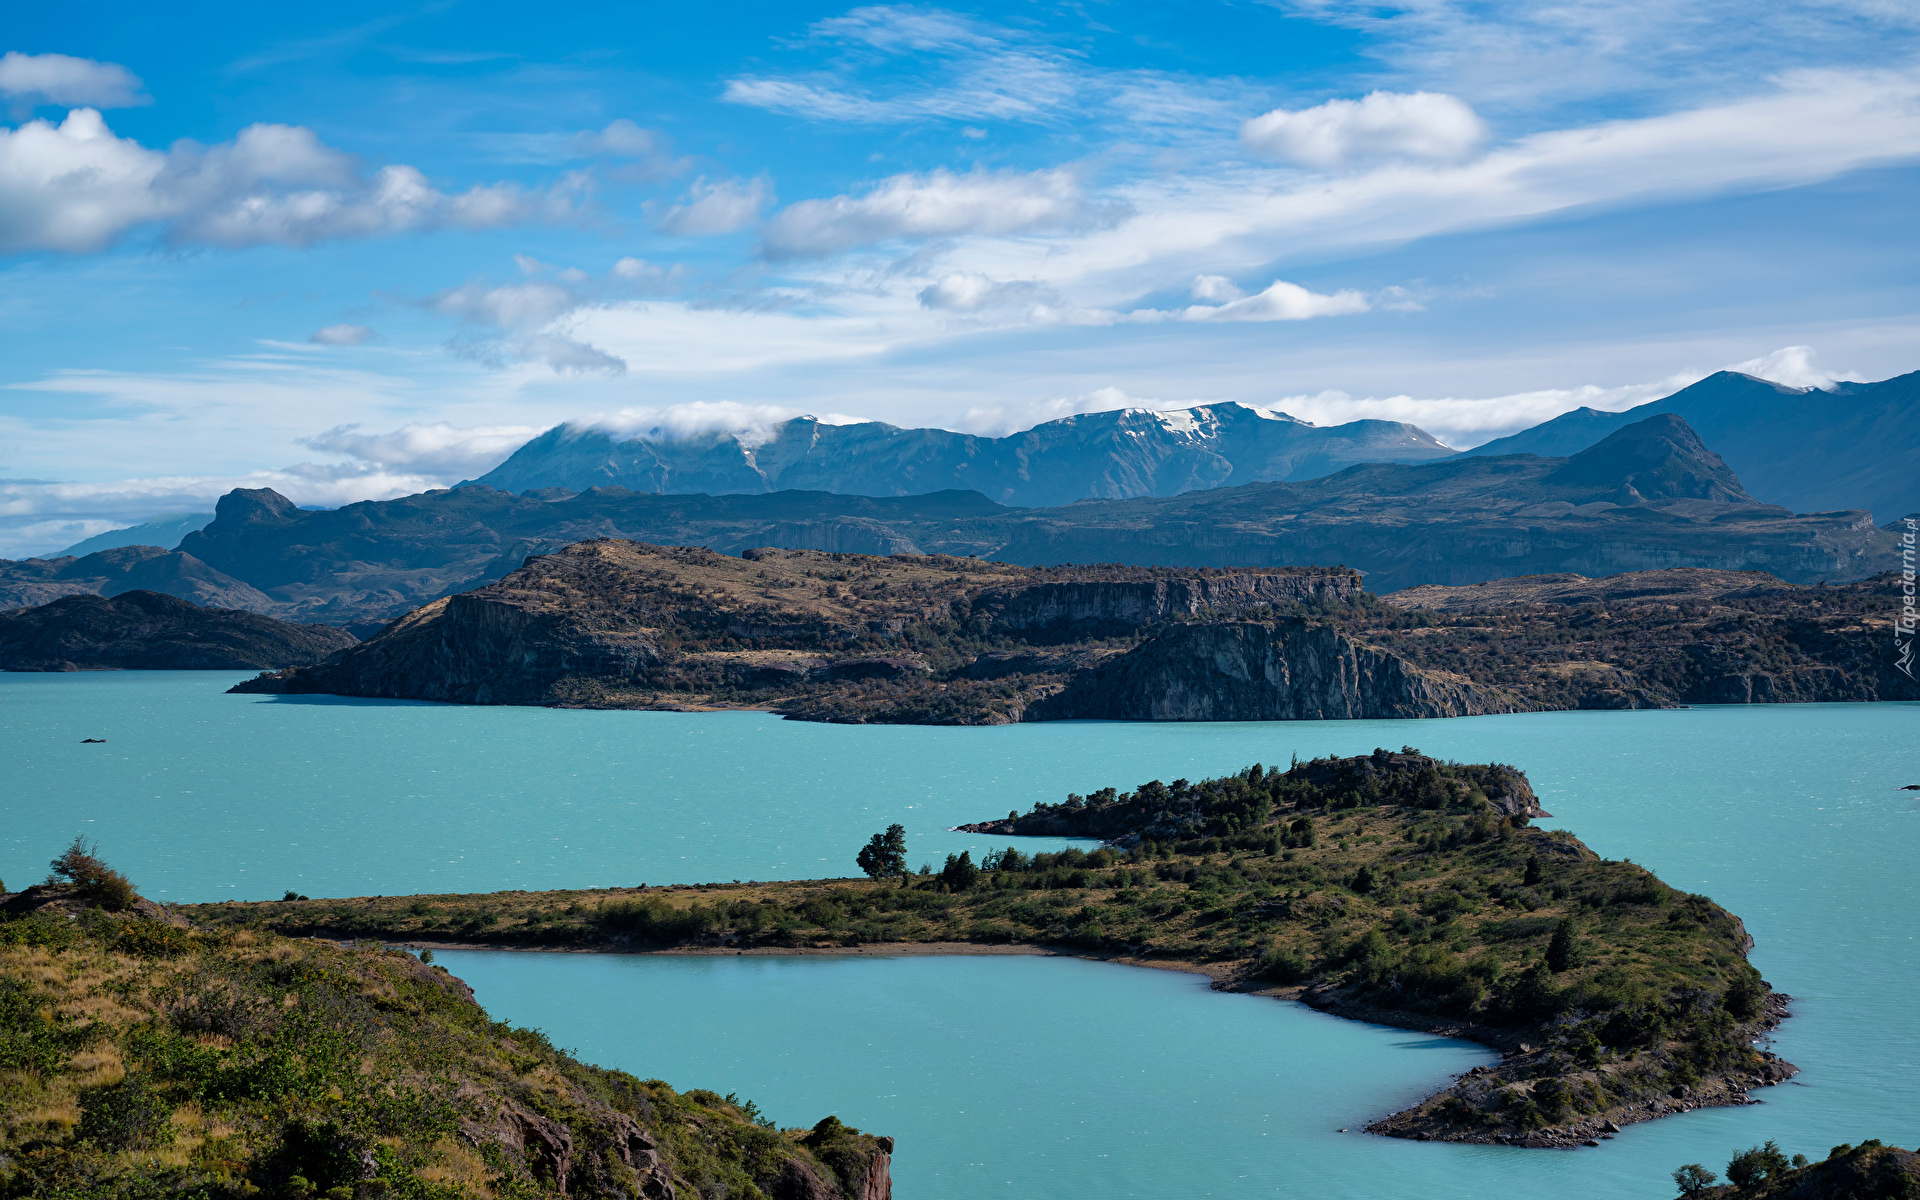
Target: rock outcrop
pixel 148 631
pixel 1288 670
pixel 1094 608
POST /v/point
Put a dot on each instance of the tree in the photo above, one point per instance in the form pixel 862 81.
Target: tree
pixel 1563 953
pixel 1756 1165
pixel 885 854
pixel 959 874
pixel 1745 997
pixel 1532 877
pixel 80 865
pixel 1362 880
pixel 1693 1179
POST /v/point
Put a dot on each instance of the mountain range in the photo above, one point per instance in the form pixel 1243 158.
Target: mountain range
pixel 1649 496
pixel 1111 455
pixel 1854 445
pixel 1810 450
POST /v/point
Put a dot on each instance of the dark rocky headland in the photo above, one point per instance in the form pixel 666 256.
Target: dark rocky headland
pixel 149 631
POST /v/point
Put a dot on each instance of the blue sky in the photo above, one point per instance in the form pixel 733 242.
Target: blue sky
pixel 352 251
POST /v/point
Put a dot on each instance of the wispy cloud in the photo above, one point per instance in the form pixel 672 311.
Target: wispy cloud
pixel 939 203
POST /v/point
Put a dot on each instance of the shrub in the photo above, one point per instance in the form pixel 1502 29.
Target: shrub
pixel 120 1116
pixel 1282 964
pixel 1746 996
pixel 1693 1179
pixel 1756 1165
pixel 1563 953
pixel 80 865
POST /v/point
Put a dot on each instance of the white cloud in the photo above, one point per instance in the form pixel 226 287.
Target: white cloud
pixel 1215 289
pixel 940 203
pixel 722 206
pixel 1425 126
pixel 341 335
pixel 961 292
pixel 1793 366
pixel 34 79
pixel 752 423
pixel 1280 301
pixel 437 449
pixel 75 187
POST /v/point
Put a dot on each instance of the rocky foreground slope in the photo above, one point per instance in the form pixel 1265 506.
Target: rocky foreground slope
pixel 1391 887
pixel 908 638
pixel 148 1058
pixel 148 631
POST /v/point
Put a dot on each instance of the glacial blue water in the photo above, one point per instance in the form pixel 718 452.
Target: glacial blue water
pixel 1019 1076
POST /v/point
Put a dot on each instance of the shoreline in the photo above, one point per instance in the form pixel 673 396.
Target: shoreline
pixel 1424 1121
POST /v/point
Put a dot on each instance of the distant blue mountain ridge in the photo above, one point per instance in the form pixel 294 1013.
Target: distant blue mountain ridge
pixel 1854 446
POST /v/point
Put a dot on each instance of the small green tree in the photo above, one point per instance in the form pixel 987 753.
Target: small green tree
pixel 1693 1179
pixel 80 865
pixel 885 854
pixel 1532 877
pixel 1563 953
pixel 1756 1165
pixel 959 874
pixel 1363 881
pixel 1746 996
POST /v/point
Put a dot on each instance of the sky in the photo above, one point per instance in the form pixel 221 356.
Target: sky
pixel 355 251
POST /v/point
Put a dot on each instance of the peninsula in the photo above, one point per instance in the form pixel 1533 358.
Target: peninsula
pixel 1392 887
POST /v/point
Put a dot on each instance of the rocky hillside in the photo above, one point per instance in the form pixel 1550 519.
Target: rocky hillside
pixel 28 582
pixel 831 636
pixel 939 640
pixel 1650 496
pixel 147 1058
pixel 1391 887
pixel 1652 638
pixel 1869 1171
pixel 148 631
pixel 1111 455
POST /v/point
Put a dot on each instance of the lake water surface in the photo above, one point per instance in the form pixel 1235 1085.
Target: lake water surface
pixel 1016 1076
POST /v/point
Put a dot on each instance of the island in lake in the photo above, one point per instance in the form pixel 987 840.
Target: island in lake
pixel 1392 887
pixel 935 639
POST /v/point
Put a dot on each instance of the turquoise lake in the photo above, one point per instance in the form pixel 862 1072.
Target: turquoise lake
pixel 1047 1077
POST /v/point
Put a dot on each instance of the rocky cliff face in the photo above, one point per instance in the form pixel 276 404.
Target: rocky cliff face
pixel 1091 608
pixel 1287 670
pixel 142 630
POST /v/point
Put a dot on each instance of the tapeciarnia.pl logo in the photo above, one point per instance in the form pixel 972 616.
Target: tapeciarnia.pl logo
pixel 1903 628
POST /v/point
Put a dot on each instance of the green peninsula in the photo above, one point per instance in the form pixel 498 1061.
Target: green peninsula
pixel 1391 887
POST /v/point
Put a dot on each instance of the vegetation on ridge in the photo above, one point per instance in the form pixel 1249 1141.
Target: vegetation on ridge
pixel 142 1058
